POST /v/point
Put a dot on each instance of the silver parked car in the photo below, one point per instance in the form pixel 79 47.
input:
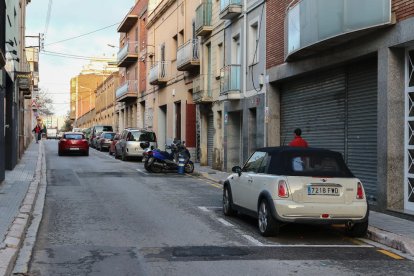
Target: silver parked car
pixel 133 142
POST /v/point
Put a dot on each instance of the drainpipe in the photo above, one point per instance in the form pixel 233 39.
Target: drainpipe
pixel 244 60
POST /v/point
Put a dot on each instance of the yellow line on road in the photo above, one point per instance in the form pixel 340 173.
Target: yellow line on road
pixel 390 254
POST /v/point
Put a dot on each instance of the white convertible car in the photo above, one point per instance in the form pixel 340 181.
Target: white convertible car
pixel 307 185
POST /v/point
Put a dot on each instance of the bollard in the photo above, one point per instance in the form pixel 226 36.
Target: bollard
pixel 181 162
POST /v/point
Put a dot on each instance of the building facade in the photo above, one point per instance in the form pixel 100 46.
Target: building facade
pixel 131 60
pixel 173 60
pixel 348 84
pixel 105 101
pixel 242 90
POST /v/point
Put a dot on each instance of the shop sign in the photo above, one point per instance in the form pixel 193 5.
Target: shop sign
pixel 23 80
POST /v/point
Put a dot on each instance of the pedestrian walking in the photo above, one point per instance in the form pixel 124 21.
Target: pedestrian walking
pixel 298 141
pixel 38 132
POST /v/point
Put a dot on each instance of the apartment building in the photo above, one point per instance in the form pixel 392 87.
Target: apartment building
pixel 241 79
pixel 342 72
pixel 105 101
pixel 131 60
pixel 83 89
pixel 173 61
pixel 15 79
pixel 209 29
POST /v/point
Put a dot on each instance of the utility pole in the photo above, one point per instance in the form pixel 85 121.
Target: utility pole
pixel 2 85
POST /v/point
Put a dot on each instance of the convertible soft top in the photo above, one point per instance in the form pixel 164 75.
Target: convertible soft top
pixel 310 162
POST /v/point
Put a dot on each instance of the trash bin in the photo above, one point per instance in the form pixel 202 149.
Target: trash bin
pixel 181 162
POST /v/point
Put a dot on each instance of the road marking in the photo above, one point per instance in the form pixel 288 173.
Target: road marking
pixel 203 208
pixel 320 245
pixel 208 208
pixel 253 240
pixel 217 186
pixel 142 171
pixel 225 222
pixel 390 254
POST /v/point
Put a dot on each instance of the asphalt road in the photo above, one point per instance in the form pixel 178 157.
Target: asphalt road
pixel 107 217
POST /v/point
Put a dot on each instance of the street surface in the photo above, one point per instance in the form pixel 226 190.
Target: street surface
pixel 107 217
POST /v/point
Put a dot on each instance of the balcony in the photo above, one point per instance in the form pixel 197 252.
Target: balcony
pixel 202 92
pixel 314 26
pixel 128 54
pixel 127 91
pixel 159 73
pixel 127 24
pixel 203 24
pixel 230 82
pixel 229 9
pixel 188 55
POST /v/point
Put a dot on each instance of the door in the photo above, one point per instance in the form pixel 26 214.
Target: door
pixel 409 132
pixel 210 139
pixel 178 120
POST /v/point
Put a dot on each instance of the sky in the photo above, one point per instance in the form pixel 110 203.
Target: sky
pixel 68 19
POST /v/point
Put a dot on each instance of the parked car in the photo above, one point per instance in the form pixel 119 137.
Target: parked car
pixel 284 184
pixel 60 135
pixel 73 142
pixel 95 139
pixel 51 133
pixel 131 143
pixel 113 143
pixel 96 129
pixel 87 132
pixel 105 140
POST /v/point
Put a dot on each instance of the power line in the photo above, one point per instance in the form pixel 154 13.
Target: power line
pixel 75 37
pixel 73 55
pixel 49 12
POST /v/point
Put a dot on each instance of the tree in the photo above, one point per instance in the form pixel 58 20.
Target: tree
pixel 44 103
pixel 68 124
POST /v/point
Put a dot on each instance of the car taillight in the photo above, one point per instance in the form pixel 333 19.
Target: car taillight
pixel 282 189
pixel 360 191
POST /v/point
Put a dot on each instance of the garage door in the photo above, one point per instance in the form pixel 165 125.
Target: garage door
pixel 337 110
pixel 210 139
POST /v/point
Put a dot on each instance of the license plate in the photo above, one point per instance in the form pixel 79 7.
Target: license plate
pixel 74 148
pixel 323 190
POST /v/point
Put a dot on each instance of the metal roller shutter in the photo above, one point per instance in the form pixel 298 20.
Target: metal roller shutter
pixel 362 124
pixel 316 105
pixel 210 139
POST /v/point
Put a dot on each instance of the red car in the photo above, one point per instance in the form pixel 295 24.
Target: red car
pixel 73 142
pixel 113 143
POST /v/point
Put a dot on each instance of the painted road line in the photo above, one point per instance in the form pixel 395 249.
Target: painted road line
pixel 203 208
pixel 225 222
pixel 253 240
pixel 320 245
pixel 208 208
pixel 383 246
pixel 390 254
pixel 217 186
pixel 142 172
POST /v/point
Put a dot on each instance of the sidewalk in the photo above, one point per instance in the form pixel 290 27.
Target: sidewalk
pixel 18 194
pixel 389 230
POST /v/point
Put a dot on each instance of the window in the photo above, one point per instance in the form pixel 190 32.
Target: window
pixel 236 50
pixel 219 59
pixel 74 136
pixel 255 162
pixel 253 43
pixel 174 47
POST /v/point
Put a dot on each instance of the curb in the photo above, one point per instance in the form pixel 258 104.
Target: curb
pixel 207 176
pixel 392 240
pixel 16 233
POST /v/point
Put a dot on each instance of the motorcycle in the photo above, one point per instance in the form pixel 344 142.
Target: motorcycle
pixel 157 161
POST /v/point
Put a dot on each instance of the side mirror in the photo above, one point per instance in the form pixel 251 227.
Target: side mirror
pixel 236 169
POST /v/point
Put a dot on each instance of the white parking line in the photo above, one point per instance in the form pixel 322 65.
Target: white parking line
pixel 253 240
pixel 225 222
pixel 142 171
pixel 202 208
pixel 320 245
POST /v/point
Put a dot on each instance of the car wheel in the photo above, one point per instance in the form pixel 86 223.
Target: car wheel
pixel 268 226
pixel 87 153
pixel 189 167
pixel 358 229
pixel 227 202
pixel 123 156
pixel 60 153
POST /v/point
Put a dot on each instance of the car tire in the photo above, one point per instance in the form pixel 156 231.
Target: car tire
pixel 87 153
pixel 268 225
pixel 60 153
pixel 228 202
pixel 358 230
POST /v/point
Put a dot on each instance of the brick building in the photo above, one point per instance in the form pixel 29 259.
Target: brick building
pixel 343 73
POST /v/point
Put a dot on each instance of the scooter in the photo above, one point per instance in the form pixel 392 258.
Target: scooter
pixel 157 161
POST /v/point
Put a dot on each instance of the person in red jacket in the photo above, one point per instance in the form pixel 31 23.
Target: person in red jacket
pixel 298 141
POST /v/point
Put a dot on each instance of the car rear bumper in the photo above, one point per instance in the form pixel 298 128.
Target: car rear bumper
pixel 132 152
pixel 290 211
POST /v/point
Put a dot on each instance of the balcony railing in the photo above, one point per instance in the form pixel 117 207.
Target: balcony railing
pixel 202 91
pixel 128 54
pixel 159 73
pixel 188 55
pixel 230 81
pixel 230 8
pixel 128 90
pixel 312 25
pixel 203 23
